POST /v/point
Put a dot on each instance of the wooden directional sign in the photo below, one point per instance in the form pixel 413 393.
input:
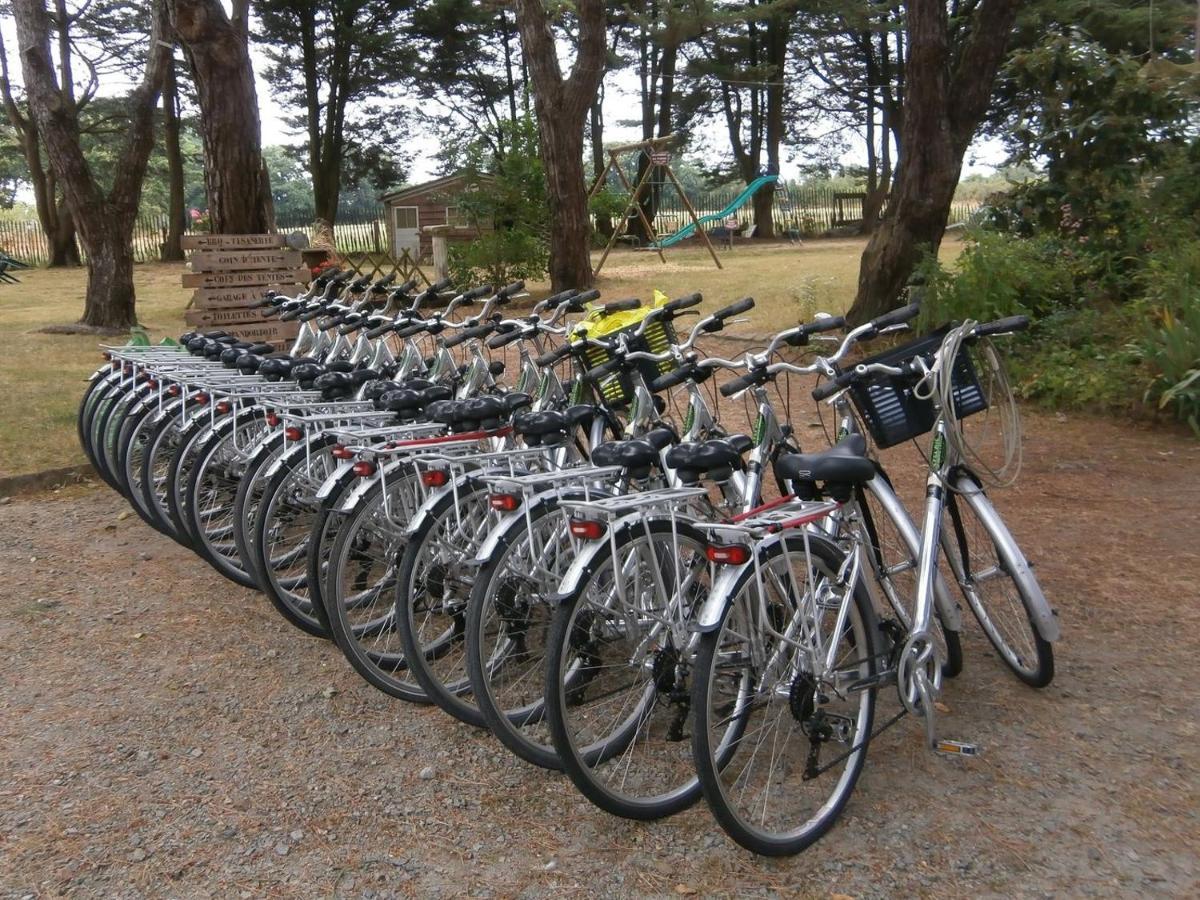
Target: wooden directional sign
pixel 227 298
pixel 242 260
pixel 215 318
pixel 272 331
pixel 263 277
pixel 233 241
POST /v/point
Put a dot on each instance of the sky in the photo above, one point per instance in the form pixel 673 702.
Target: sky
pixel 621 96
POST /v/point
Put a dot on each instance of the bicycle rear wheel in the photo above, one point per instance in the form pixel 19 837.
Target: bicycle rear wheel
pixel 508 624
pixel 780 736
pixel 360 585
pixel 618 664
pixel 432 590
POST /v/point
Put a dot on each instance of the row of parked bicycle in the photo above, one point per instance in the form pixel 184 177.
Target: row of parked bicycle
pixel 506 517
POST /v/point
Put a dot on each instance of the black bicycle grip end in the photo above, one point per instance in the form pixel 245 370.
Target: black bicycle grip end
pixel 897 316
pixel 735 309
pixel 412 330
pixel 827 389
pixel 515 288
pixel 685 302
pixel 408 285
pixel 483 290
pixel 617 306
pixel 734 385
pixel 671 379
pixel 1002 326
pixel 272 311
pixel 380 330
pixel 828 323
pixel 607 370
pixel 586 296
pixel 554 300
pixel 503 339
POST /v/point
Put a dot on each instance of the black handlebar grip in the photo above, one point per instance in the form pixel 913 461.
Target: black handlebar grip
pixel 897 316
pixel 380 330
pixel 685 302
pixel 550 357
pixel 467 334
pixel 308 315
pixel 831 323
pixel 496 341
pixel 735 309
pixel 408 285
pixel 827 389
pixel 554 300
pixel 1002 326
pixel 586 296
pixel 272 312
pixel 731 387
pixel 412 329
pixel 483 290
pixel 671 379
pixel 515 288
pixel 617 306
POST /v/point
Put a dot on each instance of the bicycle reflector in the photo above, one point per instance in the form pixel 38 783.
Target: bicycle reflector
pixel 587 529
pixel 174 390
pixel 340 452
pixel 223 406
pixel 200 397
pixel 727 554
pixel 272 419
pixel 435 478
pixel 504 502
pixel 292 433
pixel 363 468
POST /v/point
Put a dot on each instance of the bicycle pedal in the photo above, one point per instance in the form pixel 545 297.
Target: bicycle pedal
pixel 956 748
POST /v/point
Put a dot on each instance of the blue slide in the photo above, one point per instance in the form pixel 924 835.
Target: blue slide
pixel 738 202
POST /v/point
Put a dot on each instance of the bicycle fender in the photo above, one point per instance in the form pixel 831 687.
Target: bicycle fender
pixel 333 482
pixel 510 524
pixel 590 556
pixel 460 484
pixel 296 450
pixel 720 595
pixel 354 496
pixel 1043 615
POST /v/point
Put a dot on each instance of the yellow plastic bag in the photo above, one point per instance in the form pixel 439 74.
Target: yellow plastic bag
pixel 599 324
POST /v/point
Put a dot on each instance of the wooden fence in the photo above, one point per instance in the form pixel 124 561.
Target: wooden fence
pixel 24 240
pixel 809 211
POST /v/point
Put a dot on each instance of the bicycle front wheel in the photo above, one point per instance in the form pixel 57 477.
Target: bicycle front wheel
pixel 998 585
pixel 784 698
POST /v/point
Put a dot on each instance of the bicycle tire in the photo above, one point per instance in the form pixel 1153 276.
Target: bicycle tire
pixel 719 765
pixel 985 547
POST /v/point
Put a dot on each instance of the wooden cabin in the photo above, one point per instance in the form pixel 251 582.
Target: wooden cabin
pixel 412 210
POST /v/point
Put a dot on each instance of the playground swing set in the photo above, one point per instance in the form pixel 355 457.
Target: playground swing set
pixel 658 175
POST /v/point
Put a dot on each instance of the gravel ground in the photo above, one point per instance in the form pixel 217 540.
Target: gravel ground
pixel 163 733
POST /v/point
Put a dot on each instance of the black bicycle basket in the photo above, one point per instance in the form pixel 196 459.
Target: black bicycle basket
pixel 618 389
pixel 892 413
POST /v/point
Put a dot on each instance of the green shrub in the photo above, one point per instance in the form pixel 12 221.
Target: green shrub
pixel 998 275
pixel 499 257
pixel 1170 344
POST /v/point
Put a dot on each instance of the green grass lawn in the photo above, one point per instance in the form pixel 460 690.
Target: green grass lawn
pixel 42 375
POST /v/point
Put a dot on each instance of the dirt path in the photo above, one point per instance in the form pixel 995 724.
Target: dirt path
pixel 165 733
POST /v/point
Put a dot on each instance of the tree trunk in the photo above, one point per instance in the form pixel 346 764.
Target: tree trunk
pixel 64 249
pixel 110 300
pixel 220 62
pixel 172 248
pixel 562 105
pixel 105 223
pixel 604 222
pixel 942 108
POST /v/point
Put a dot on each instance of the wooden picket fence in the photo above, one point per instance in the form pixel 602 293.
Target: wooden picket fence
pixel 366 232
